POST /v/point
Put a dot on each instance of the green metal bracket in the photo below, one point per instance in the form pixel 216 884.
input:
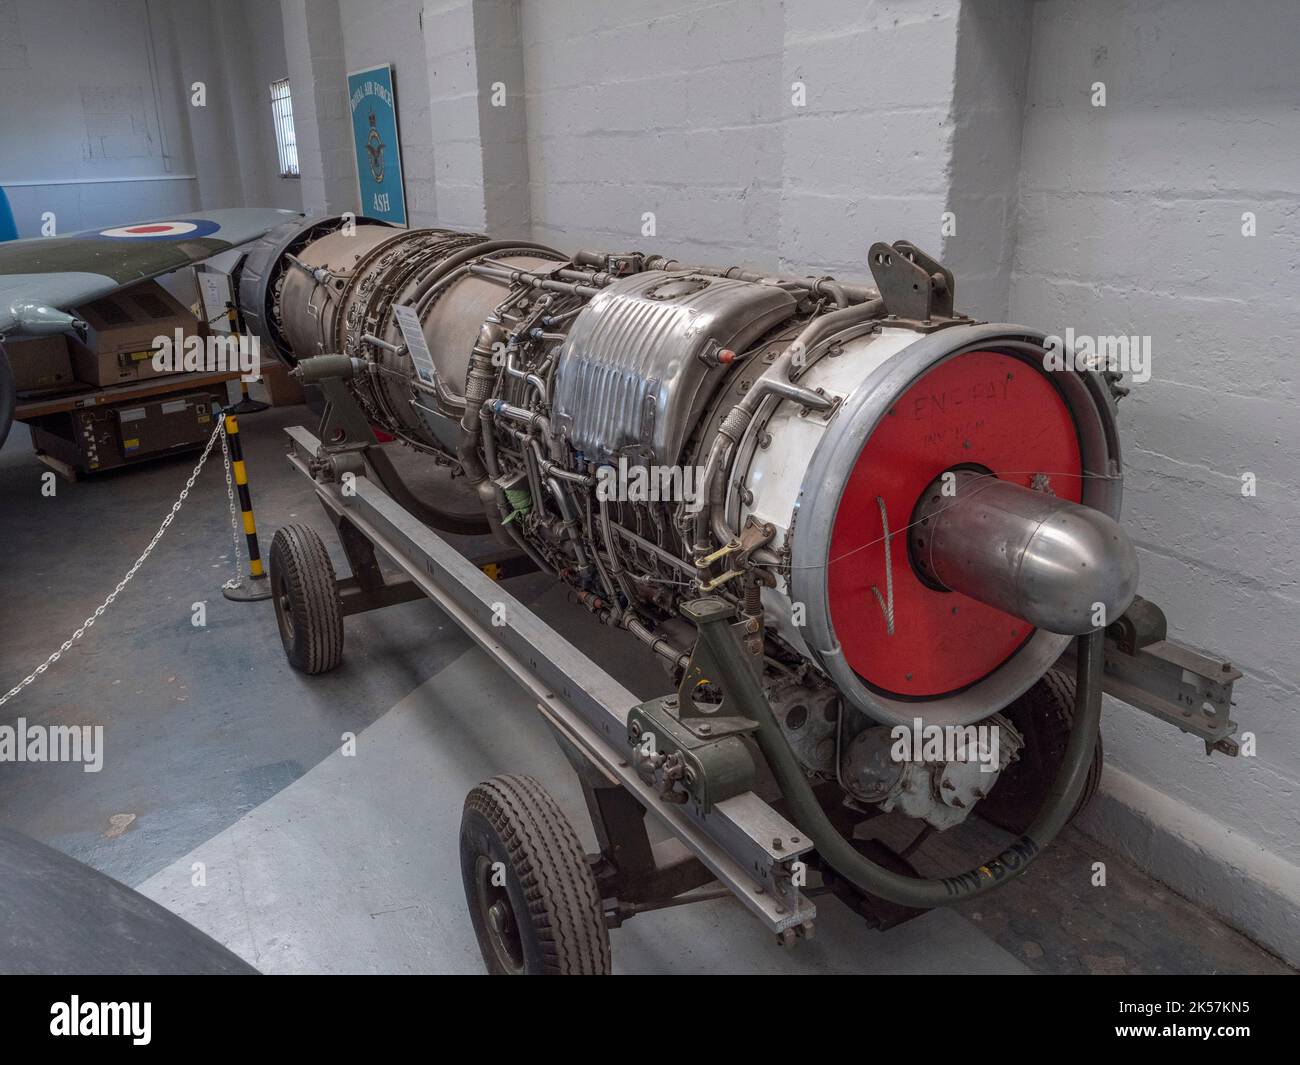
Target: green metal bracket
pixel 691 744
pixel 717 653
pixel 343 426
pixel 705 764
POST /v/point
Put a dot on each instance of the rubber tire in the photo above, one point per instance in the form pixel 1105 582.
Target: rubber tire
pixel 1048 705
pixel 555 903
pixel 307 607
pixel 1060 687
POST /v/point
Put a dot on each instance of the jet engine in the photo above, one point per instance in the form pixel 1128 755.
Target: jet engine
pixel 911 512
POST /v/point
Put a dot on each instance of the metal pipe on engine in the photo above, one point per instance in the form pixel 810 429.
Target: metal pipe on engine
pixel 658 644
pixel 475 251
pixel 510 276
pixel 570 523
pixel 618 573
pixel 818 286
pixel 478 387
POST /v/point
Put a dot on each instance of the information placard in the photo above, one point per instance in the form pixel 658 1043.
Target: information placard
pixel 416 346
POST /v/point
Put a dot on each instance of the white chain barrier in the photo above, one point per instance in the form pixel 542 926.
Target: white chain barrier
pixel 218 431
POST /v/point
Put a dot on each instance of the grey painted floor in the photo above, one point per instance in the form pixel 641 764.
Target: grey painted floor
pixel 217 752
pixel 353 868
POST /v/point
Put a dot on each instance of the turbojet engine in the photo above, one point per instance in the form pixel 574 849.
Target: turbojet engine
pixel 911 513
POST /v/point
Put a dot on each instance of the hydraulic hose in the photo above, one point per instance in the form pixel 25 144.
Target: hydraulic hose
pixel 925 893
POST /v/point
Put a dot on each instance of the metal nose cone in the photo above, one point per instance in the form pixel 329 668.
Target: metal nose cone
pixel 1058 565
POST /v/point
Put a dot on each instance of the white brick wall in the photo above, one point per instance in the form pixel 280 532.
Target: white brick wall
pixel 313 43
pixel 685 110
pixel 868 158
pixel 389 31
pixel 452 70
pixel 1130 222
pixel 254 36
pixel 668 108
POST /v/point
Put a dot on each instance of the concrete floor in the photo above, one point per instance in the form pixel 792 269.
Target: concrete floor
pixel 218 753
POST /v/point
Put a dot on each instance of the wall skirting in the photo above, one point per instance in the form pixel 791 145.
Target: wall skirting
pixel 1200 858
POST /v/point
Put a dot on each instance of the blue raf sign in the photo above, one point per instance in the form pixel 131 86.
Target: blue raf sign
pixel 379 155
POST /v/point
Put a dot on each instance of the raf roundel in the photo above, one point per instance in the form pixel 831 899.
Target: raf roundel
pixel 166 230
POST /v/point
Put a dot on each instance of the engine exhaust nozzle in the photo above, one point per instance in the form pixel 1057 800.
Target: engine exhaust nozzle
pixel 1046 560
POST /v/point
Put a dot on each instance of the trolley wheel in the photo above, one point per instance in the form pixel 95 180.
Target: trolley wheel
pixel 532 897
pixel 306 598
pixel 1044 716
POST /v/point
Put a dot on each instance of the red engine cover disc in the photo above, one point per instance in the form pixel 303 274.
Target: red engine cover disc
pixel 982 408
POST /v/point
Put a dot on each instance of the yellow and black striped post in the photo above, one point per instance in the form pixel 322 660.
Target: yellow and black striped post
pixel 256 586
pixel 247 404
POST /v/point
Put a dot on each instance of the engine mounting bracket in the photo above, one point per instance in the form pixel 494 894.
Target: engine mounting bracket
pixel 1166 679
pixel 704 761
pixel 343 426
pixel 916 287
pixel 690 744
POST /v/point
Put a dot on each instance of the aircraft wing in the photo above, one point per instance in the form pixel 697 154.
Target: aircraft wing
pixel 42 278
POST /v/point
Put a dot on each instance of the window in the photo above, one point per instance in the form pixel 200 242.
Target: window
pixel 285 142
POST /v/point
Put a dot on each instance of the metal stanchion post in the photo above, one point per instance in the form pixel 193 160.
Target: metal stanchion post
pixel 255 586
pixel 247 404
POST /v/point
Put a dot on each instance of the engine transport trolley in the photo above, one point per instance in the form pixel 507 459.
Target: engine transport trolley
pixel 740 817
